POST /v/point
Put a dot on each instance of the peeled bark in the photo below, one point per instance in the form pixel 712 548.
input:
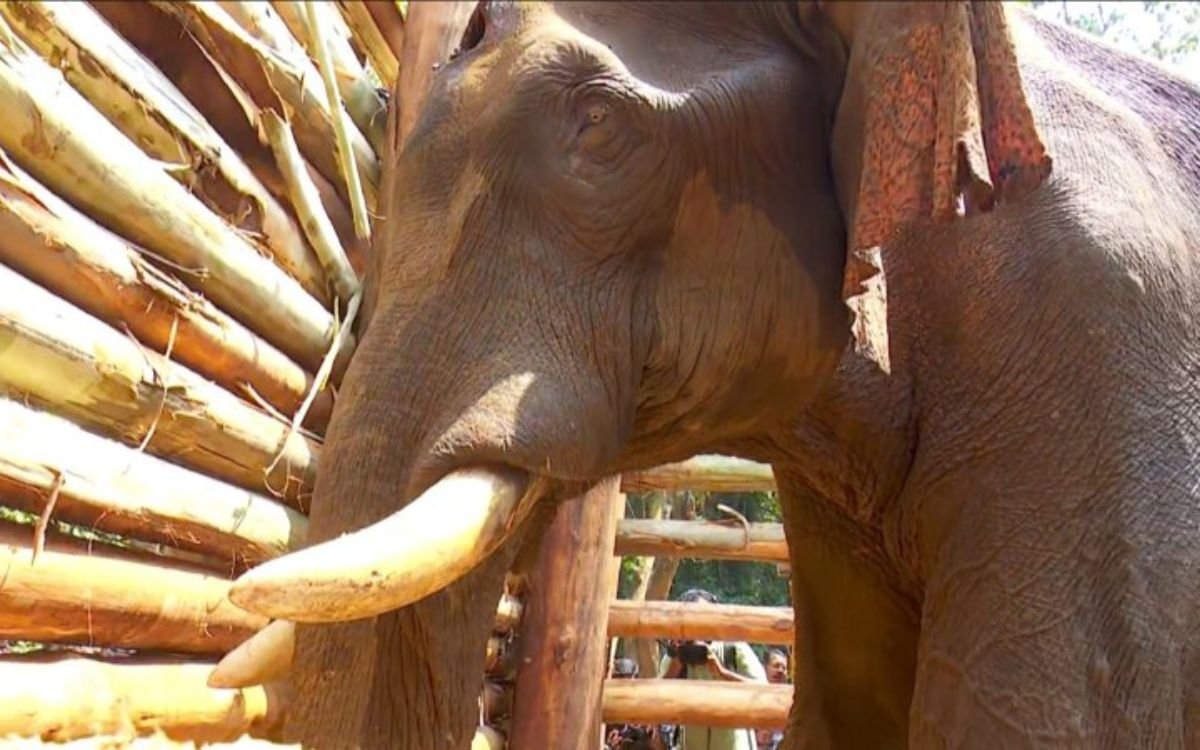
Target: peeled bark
pixel 137 98
pixel 557 695
pixel 371 40
pixel 61 249
pixel 683 621
pixel 95 594
pixel 67 697
pixel 163 40
pixel 274 82
pixel 704 703
pixel 703 473
pixel 706 539
pixel 52 131
pixel 69 363
pixel 111 487
pixel 263 21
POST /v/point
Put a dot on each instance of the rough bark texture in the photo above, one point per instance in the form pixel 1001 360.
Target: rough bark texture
pixel 714 704
pixel 94 594
pixel 69 697
pixel 557 696
pixel 111 487
pixel 677 620
pixel 763 542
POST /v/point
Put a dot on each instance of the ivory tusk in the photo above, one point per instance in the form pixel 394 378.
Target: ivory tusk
pixel 417 551
pixel 264 656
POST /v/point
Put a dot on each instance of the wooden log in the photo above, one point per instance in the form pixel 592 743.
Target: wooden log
pixel 162 39
pixel 111 487
pixel 56 135
pixel 95 594
pixel 556 700
pixel 683 621
pixel 732 705
pixel 432 29
pixel 63 250
pixel 137 98
pixel 701 539
pixel 66 362
pixel 68 697
pixel 390 23
pixel 371 41
pixel 263 21
pixel 710 473
pixel 273 82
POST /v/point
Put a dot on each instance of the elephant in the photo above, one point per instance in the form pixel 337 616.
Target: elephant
pixel 935 263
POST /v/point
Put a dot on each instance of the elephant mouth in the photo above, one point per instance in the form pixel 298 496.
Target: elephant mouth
pixel 429 544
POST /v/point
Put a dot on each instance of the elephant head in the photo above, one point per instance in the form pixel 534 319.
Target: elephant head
pixel 619 235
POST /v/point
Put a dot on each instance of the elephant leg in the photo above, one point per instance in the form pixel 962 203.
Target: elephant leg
pixel 856 636
pixel 1064 618
pixel 407 679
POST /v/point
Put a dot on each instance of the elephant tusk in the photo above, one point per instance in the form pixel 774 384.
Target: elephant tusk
pixel 261 658
pixel 417 551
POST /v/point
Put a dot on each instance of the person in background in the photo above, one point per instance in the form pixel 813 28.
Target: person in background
pixel 632 736
pixel 777 674
pixel 714 661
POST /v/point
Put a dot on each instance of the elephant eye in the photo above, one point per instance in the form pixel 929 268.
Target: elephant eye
pixel 473 35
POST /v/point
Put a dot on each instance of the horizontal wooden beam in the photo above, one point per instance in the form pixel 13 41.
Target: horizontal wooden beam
pixel 69 697
pixel 94 594
pixel 707 472
pixel 112 487
pixel 715 704
pixel 684 621
pixel 765 542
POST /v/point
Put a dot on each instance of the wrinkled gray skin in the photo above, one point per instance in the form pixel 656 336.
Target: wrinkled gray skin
pixel 995 544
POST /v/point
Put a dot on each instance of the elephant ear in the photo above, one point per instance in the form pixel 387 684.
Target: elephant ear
pixel 946 127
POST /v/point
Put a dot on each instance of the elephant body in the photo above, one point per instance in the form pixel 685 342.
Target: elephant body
pixel 993 516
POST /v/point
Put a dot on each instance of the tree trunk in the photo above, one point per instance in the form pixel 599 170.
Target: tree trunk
pixel 558 690
pixel 657 588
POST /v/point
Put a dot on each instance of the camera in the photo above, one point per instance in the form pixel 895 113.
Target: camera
pixel 691 653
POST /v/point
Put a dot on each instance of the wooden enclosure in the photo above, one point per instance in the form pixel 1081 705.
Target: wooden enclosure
pixel 187 197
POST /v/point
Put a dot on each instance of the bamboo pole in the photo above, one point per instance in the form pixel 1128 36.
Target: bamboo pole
pixel 487 738
pixel 69 697
pixel 307 202
pixel 114 488
pixel 556 700
pixel 732 705
pixel 508 614
pixel 146 107
pixel 64 142
pixel 273 82
pixel 701 539
pixel 61 249
pixel 95 594
pixel 69 363
pixel 163 40
pixel 371 40
pixel 688 621
pixel 264 22
pixel 709 472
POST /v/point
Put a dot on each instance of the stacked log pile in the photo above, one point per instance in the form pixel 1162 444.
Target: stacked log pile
pixel 187 195
pixel 187 191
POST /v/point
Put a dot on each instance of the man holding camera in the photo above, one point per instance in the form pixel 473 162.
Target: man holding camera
pixel 712 660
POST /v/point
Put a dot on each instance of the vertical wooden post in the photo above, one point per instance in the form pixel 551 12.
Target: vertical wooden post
pixel 556 700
